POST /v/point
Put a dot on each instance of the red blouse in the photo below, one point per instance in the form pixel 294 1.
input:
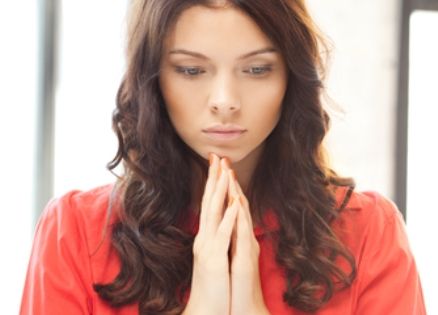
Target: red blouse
pixel 72 250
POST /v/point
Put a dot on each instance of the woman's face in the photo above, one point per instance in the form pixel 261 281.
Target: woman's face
pixel 223 82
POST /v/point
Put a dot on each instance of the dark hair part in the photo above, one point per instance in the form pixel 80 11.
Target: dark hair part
pixel 292 176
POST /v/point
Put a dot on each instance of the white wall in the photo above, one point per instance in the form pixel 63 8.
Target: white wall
pixel 91 64
pixel 363 82
pixel 17 129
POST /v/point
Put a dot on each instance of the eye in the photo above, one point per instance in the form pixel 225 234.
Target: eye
pixel 189 71
pixel 258 70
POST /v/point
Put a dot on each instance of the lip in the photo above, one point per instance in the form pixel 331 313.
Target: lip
pixel 224 128
pixel 224 132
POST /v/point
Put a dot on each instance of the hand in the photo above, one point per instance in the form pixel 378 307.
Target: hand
pixel 246 291
pixel 210 288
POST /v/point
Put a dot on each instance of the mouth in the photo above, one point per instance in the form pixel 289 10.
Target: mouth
pixel 222 135
pixel 224 132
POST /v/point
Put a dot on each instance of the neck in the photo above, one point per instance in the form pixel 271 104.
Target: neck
pixel 245 168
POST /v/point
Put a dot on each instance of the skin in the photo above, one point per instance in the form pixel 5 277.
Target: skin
pixel 236 282
pixel 218 67
pixel 222 88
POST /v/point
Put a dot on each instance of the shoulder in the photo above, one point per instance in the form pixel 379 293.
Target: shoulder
pixel 373 229
pixel 81 200
pixel 63 263
pixel 367 207
pixel 80 214
pixel 76 203
pixel 369 219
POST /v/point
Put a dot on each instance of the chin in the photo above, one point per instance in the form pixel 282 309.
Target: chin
pixel 234 157
pixel 220 153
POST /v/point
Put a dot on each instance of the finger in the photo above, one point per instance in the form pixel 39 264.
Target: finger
pixel 227 225
pixel 213 176
pixel 209 189
pixel 240 236
pixel 232 187
pixel 234 233
pixel 216 206
pixel 226 166
pixel 244 233
pixel 243 223
pixel 244 202
pixel 233 194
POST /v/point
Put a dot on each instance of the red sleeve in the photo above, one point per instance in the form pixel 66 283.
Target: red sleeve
pixel 58 279
pixel 388 279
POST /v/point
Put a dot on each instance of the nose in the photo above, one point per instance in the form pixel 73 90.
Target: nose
pixel 224 98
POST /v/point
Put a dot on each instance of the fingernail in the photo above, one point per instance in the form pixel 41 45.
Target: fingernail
pixel 230 201
pixel 226 162
pixel 233 174
pixel 210 157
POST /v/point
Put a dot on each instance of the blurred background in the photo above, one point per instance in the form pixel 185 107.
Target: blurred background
pixel 61 63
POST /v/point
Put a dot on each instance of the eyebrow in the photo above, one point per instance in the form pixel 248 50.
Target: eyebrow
pixel 201 56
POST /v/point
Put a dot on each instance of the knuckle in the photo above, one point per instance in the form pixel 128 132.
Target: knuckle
pixel 222 233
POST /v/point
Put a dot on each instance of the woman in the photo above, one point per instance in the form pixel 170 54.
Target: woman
pixel 226 205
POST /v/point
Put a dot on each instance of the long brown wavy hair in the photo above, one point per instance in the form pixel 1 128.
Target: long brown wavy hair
pixel 292 176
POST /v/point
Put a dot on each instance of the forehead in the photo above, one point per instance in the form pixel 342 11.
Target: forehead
pixel 215 31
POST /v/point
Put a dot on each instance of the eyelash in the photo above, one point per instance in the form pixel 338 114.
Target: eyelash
pixel 185 71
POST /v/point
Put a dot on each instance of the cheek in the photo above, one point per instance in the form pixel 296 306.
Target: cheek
pixel 265 100
pixel 181 101
pixel 272 90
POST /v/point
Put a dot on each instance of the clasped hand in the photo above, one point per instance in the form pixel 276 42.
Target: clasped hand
pixel 222 283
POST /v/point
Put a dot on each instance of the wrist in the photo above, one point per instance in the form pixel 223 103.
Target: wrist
pixel 262 310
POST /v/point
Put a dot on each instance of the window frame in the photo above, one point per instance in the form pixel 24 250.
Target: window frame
pixel 401 151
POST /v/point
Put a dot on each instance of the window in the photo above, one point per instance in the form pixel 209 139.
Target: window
pixel 422 170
